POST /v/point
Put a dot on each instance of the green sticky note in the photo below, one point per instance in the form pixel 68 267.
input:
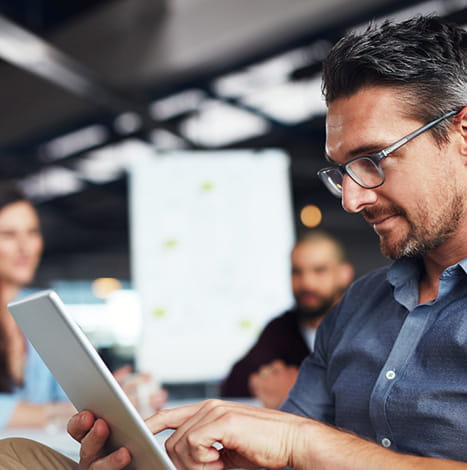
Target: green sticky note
pixel 159 312
pixel 171 243
pixel 207 186
pixel 245 324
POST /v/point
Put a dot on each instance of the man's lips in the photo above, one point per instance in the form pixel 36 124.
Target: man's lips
pixel 381 222
pixel 379 219
pixel 308 297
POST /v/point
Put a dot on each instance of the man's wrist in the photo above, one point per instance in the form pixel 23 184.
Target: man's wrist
pixel 318 445
pixel 307 433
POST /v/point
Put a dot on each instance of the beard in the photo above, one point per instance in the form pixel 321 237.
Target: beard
pixel 309 313
pixel 426 231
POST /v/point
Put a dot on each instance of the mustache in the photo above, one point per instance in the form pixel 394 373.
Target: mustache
pixel 372 213
pixel 307 292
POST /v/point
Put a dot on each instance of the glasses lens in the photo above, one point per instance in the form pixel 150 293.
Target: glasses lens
pixel 332 179
pixel 365 172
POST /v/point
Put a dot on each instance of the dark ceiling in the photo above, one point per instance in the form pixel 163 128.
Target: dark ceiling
pixel 93 64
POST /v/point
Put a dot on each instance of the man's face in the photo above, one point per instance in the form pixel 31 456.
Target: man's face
pixel 420 205
pixel 317 277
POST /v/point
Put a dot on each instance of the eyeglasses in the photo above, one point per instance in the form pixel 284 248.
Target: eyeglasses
pixel 366 170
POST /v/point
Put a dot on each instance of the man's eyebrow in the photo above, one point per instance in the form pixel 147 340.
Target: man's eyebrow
pixel 370 149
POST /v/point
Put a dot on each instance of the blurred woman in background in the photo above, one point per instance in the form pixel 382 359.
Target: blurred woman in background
pixel 29 394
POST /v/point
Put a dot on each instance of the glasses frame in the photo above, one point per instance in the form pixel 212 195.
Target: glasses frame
pixel 375 158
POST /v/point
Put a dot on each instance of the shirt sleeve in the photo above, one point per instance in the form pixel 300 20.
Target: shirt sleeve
pixel 310 397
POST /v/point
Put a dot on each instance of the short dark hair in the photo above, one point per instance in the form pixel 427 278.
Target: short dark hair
pixel 425 57
pixel 10 193
pixel 317 235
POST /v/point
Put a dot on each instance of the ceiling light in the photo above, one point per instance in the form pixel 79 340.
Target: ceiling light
pixel 291 102
pixel 110 163
pixel 51 182
pixel 176 104
pixel 166 140
pixel 217 124
pixel 270 72
pixel 128 122
pixel 74 142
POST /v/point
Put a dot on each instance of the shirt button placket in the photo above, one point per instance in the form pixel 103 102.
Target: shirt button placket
pixel 389 375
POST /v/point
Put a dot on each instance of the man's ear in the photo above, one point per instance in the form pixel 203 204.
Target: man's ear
pixel 346 275
pixel 461 124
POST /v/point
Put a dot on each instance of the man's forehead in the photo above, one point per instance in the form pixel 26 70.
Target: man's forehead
pixel 319 250
pixel 365 104
pixel 362 122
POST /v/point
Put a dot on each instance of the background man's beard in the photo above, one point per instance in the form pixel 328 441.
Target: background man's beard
pixel 310 313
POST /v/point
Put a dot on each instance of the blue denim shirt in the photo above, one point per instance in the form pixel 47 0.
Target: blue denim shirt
pixel 389 369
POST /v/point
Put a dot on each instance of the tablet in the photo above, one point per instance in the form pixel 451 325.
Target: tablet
pixel 85 378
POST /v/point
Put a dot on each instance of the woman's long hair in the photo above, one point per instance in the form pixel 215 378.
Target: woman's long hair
pixel 9 194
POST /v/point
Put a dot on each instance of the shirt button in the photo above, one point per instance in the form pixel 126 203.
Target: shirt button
pixel 385 442
pixel 390 374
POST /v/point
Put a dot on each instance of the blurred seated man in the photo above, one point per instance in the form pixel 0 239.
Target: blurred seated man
pixel 320 274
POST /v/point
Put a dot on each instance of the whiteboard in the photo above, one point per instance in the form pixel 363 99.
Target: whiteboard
pixel 211 234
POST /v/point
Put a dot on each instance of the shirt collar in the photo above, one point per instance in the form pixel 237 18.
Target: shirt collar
pixel 406 269
pixel 459 267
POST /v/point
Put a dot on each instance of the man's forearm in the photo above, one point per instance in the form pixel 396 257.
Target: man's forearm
pixel 321 447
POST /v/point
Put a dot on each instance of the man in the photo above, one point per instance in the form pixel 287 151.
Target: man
pixel 386 386
pixel 319 276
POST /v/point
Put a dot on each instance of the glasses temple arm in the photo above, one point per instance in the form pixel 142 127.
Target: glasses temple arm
pixel 385 152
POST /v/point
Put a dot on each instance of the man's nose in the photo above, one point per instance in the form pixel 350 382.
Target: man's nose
pixel 310 280
pixel 354 197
